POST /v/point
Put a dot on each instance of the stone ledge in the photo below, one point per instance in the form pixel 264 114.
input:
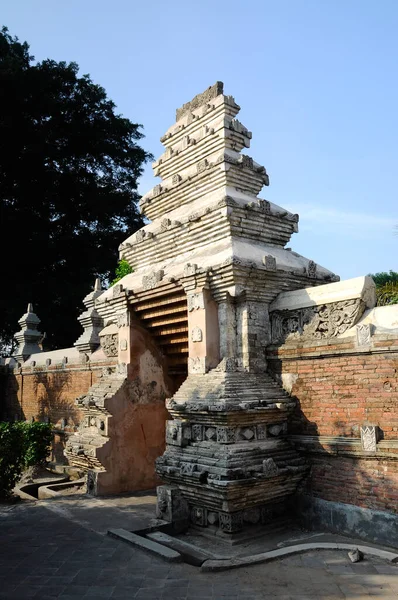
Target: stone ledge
pixel 147 545
pixel 222 565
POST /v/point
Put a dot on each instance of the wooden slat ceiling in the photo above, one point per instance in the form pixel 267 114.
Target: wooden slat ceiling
pixel 164 313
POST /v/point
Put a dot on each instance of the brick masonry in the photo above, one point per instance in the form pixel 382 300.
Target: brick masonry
pixel 338 388
pixel 48 392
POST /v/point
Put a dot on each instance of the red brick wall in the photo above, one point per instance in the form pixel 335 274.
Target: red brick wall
pixel 49 392
pixel 338 388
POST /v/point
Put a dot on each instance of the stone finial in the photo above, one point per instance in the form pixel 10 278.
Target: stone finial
pixel 28 338
pixel 90 321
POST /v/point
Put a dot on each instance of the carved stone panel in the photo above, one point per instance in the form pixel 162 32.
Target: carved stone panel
pixel 369 438
pixel 316 322
pixel 109 344
pixel 196 365
pixel 269 262
pixel 197 433
pixel 199 516
pixel 195 301
pixel 196 334
pixel 149 282
pixel 231 522
pixel 177 433
pixel 226 435
pixel 270 469
pixel 364 335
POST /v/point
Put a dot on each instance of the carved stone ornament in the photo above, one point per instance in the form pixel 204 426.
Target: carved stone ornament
pixel 157 190
pixel 312 269
pixel 199 516
pixel 123 345
pixel 176 179
pixel 246 161
pixel 316 322
pixel 123 319
pixel 149 282
pixel 140 235
pixel 231 522
pixel 195 301
pixel 369 438
pixel 196 365
pixel 190 269
pixel 364 335
pixel 196 334
pixel 270 469
pixel 201 166
pixel 109 344
pixel 165 224
pixel 269 262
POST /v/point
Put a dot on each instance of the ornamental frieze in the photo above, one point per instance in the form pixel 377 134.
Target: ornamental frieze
pixel 316 322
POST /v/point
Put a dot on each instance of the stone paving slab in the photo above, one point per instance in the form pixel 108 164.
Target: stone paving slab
pixel 45 555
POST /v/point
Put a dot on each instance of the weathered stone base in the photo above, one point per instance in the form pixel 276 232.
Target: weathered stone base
pixel 371 525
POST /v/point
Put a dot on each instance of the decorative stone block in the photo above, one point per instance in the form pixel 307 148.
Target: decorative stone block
pixel 270 469
pixel 212 518
pixel 226 435
pixel 247 434
pixel 269 262
pixel 231 522
pixel 364 334
pixel 177 433
pixel 198 516
pixel 149 282
pixel 171 505
pixel 277 429
pixel 123 319
pixel 196 334
pixel 261 431
pixel 187 468
pixel 195 301
pixel 369 438
pixel 210 434
pixel 196 365
pixel 197 433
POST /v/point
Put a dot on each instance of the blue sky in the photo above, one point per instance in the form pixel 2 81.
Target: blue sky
pixel 316 80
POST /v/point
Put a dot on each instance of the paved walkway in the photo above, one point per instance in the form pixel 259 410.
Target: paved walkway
pixel 53 549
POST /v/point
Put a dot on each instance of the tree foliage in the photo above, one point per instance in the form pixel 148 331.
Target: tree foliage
pixel 69 166
pixel 22 445
pixel 123 268
pixel 386 287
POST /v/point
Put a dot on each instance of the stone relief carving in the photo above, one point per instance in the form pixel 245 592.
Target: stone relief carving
pixel 196 334
pixel 123 319
pixel 149 282
pixel 197 365
pixel 199 516
pixel 157 190
pixel 190 269
pixel 231 522
pixel 316 322
pixel 109 344
pixel 364 335
pixel 312 269
pixel 195 301
pixel 269 262
pixel 201 166
pixel 369 438
pixel 270 468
